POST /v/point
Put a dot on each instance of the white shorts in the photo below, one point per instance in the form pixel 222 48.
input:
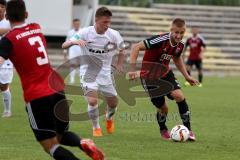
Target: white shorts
pixel 106 90
pixel 6 72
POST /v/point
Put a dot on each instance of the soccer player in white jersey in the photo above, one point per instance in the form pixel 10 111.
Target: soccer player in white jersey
pixel 73 51
pixel 96 73
pixel 6 69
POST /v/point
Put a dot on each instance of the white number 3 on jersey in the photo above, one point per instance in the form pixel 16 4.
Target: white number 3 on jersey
pixel 41 49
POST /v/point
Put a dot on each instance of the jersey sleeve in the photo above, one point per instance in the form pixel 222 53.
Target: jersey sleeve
pixel 153 42
pixel 119 41
pixel 5 47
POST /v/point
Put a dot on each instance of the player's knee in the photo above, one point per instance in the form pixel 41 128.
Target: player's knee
pixel 92 102
pixel 158 102
pixel 4 87
pixel 177 95
pixel 49 144
pixel 164 109
pixel 112 103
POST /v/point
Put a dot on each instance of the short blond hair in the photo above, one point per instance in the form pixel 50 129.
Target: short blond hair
pixel 179 22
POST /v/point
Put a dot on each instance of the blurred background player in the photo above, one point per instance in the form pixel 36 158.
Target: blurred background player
pixel 6 69
pixel 73 51
pixel 96 73
pixel 161 49
pixel 197 46
pixel 43 88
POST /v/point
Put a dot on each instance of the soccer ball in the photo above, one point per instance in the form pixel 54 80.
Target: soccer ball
pixel 179 133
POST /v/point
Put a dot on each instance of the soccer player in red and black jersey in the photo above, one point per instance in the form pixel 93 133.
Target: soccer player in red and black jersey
pixel 197 47
pixel 43 88
pixel 161 49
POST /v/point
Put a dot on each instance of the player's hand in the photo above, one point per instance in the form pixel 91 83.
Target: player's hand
pixel 1 60
pixel 118 68
pixel 192 81
pixel 132 75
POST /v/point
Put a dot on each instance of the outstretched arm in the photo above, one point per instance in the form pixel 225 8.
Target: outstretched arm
pixel 178 61
pixel 75 40
pixel 136 48
pixel 70 43
pixel 120 61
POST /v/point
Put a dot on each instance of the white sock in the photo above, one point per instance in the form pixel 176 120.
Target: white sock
pixel 72 75
pixel 53 149
pixel 93 114
pixel 110 112
pixel 7 100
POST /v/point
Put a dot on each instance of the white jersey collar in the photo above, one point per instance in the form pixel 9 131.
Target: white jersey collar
pixel 20 26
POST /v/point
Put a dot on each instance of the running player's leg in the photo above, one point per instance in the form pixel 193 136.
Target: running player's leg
pixel 160 104
pixel 6 76
pixel 183 110
pixel 7 97
pixel 52 147
pixel 110 95
pixel 93 112
pixel 200 71
pixel 42 121
pixel 69 138
pixel 178 96
pixel 91 95
pixel 189 65
pixel 162 112
pixel 182 106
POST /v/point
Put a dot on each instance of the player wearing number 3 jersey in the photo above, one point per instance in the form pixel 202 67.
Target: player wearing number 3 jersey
pixel 31 62
pixel 43 88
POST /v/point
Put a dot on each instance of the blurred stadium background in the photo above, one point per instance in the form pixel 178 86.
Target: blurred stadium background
pixel 218 21
pixel 215 107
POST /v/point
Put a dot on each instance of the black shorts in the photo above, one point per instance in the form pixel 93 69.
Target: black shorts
pixel 166 85
pixel 43 118
pixel 197 63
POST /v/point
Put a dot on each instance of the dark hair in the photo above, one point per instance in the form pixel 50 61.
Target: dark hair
pixel 103 11
pixel 3 2
pixel 76 20
pixel 16 10
pixel 179 22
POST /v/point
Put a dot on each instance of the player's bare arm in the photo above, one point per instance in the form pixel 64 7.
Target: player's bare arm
pixel 203 49
pixel 120 61
pixel 3 31
pixel 1 60
pixel 136 48
pixel 70 43
pixel 185 49
pixel 178 61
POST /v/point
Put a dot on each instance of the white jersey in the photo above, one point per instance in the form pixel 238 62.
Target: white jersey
pixel 75 50
pixel 5 24
pixel 6 69
pixel 98 53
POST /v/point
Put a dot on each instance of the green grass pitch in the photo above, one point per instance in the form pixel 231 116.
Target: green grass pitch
pixel 215 112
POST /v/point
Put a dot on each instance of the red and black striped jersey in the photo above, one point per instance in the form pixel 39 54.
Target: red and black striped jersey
pixel 160 50
pixel 195 44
